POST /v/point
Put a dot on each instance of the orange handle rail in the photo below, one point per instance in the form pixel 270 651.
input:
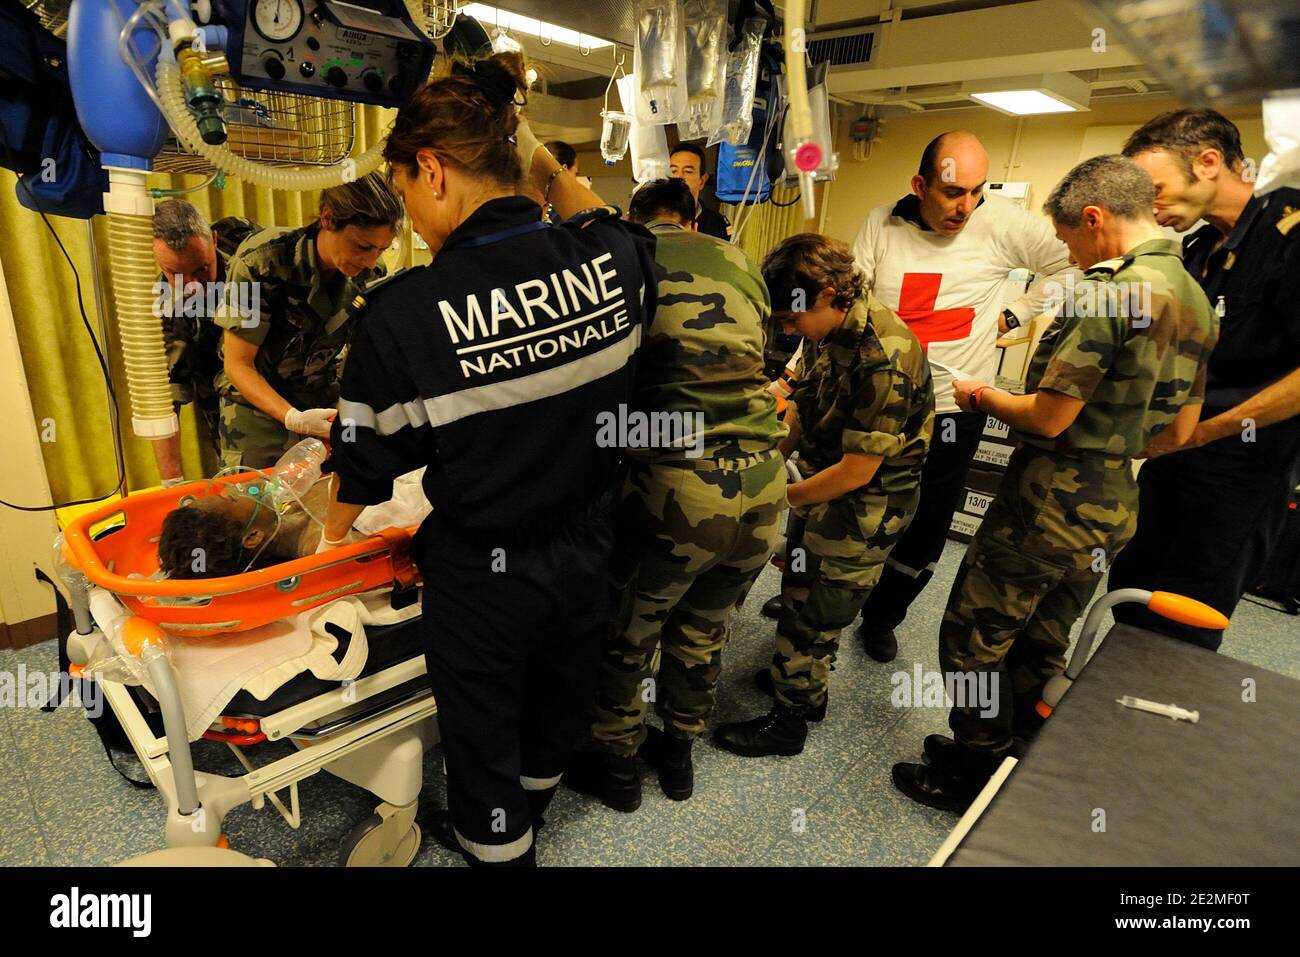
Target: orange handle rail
pixel 1186 611
pixel 228 603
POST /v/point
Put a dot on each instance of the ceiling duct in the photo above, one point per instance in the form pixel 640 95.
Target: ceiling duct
pixel 843 47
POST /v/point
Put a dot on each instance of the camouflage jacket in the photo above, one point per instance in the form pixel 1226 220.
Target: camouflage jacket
pixel 703 352
pixel 193 342
pixel 866 388
pixel 1132 342
pixel 300 321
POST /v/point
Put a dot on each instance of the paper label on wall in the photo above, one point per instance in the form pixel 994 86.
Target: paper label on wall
pixel 977 503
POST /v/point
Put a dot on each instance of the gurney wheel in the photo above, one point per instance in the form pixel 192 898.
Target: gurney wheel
pixel 363 847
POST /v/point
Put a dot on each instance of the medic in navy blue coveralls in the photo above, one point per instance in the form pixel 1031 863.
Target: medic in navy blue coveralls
pixel 490 366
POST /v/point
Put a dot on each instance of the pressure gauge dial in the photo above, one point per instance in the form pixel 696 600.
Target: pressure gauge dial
pixel 278 20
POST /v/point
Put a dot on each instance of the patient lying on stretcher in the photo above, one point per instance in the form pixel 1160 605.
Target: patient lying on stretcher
pixel 241 527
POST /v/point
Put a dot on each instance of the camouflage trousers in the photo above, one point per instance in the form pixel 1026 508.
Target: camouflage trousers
pixel 1029 573
pixel 251 438
pixel 693 538
pixel 827 578
pixel 207 410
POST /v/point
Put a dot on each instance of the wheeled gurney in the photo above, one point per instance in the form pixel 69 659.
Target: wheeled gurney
pixel 368 721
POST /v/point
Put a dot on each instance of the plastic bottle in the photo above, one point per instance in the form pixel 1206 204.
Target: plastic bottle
pixel 297 471
pixel 616 127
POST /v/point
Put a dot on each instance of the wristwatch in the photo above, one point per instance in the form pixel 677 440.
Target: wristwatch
pixel 1010 319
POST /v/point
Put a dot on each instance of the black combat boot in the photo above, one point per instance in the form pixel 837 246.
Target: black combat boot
pixel 671 757
pixel 939 749
pixel 611 777
pixel 763 682
pixel 772 607
pixel 880 643
pixel 780 731
pixel 950 784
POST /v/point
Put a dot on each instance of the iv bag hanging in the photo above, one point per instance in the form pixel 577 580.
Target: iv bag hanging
pixel 706 65
pixel 659 62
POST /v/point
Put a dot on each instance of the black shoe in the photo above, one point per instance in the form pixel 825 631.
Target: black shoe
pixel 671 757
pixel 438 823
pixel 772 607
pixel 940 749
pixel 780 731
pixel 944 790
pixel 611 777
pixel 763 681
pixel 880 645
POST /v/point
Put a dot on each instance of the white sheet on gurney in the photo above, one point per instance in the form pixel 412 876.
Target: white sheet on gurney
pixel 211 671
pixel 407 507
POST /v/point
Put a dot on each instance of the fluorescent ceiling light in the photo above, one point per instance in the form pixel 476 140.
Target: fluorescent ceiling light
pixel 528 27
pixel 1024 102
pixel 1030 95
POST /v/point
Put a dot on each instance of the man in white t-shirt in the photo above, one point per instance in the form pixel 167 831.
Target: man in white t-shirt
pixel 939 258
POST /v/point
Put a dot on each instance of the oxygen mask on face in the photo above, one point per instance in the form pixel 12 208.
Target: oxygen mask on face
pixel 276 493
pixel 260 491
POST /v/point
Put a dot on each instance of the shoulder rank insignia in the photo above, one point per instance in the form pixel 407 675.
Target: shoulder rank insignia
pixel 359 301
pixel 1111 266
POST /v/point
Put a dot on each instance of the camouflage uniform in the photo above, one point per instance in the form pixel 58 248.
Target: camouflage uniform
pixel 302 329
pixel 865 388
pixel 193 343
pixel 1066 506
pixel 694 533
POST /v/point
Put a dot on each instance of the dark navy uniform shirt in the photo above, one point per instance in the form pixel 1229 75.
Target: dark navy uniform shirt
pixel 1252 279
pixel 491 364
pixel 712 223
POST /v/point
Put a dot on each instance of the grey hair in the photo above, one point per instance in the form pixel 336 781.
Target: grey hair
pixel 1113 182
pixel 176 222
pixel 366 202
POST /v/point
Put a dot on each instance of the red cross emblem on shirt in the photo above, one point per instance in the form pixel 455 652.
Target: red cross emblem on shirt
pixel 916 299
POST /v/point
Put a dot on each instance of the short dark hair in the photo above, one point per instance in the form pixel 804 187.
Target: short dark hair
pixel 1113 182
pixel 564 154
pixel 188 528
pixel 691 148
pixel 660 196
pixel 1184 133
pixel 177 221
pixel 811 262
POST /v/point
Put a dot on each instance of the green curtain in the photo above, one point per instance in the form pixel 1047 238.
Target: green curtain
pixel 69 398
pixel 770 223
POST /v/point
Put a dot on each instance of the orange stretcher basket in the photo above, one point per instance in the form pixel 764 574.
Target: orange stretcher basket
pixel 119 540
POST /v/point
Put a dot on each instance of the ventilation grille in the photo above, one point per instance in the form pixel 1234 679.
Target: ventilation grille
pixel 842 49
